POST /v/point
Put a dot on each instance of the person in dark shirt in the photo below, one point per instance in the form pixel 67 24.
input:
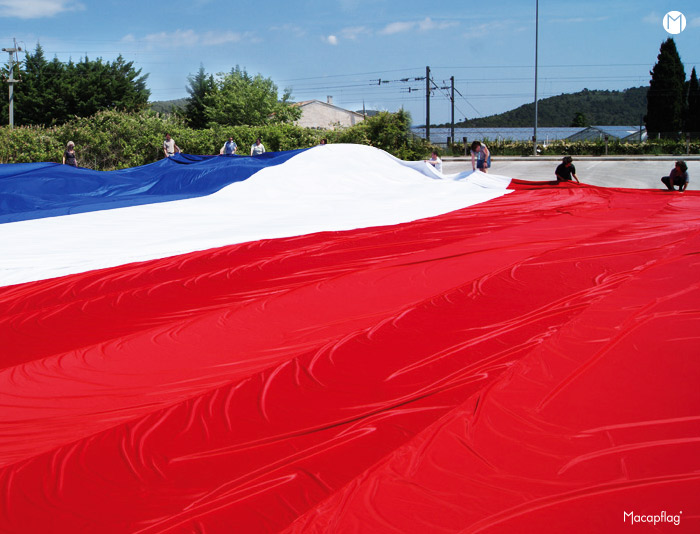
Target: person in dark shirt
pixel 69 155
pixel 566 170
pixel 678 176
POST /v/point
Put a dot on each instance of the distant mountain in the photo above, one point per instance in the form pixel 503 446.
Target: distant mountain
pixel 167 106
pixel 610 108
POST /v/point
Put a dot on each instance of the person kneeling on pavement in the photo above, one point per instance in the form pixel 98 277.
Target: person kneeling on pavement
pixel 678 176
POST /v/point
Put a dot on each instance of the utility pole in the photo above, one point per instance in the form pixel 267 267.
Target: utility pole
pixel 537 27
pixel 12 81
pixel 427 104
pixel 452 115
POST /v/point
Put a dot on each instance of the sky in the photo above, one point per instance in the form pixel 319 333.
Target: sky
pixel 345 48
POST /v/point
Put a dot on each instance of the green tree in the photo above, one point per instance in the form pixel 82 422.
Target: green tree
pixel 666 93
pixel 36 79
pixel 579 120
pixel 199 87
pixel 96 85
pixel 239 98
pixel 692 124
pixel 52 92
pixel 388 131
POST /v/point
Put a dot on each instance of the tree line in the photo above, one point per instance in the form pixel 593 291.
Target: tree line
pixel 54 92
pixel 51 93
pixel 111 139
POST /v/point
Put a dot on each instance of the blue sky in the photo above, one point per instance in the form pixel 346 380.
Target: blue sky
pixel 343 48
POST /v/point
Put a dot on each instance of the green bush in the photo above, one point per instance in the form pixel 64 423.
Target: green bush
pixel 586 148
pixel 388 131
pixel 30 143
pixel 115 140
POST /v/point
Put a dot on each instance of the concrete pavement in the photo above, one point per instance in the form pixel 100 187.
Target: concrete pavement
pixel 634 172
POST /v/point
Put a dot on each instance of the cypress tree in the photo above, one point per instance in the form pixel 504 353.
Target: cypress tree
pixel 665 96
pixel 693 118
pixel 200 87
pixel 30 94
pixel 53 92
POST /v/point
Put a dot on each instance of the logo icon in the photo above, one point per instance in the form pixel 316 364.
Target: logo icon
pixel 674 22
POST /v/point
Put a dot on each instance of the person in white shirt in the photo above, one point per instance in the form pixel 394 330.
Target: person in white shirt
pixel 258 148
pixel 435 161
pixel 169 146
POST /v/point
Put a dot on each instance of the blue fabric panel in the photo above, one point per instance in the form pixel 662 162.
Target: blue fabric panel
pixel 37 190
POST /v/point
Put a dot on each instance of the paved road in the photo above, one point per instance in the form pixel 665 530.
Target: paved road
pixel 633 173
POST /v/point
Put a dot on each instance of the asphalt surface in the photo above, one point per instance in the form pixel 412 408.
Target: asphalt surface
pixel 617 171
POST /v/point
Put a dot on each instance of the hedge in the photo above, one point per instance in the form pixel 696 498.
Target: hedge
pixel 563 147
pixel 115 140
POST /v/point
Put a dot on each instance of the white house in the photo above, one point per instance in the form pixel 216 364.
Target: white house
pixel 326 116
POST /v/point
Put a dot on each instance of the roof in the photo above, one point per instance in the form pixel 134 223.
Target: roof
pixel 625 133
pixel 318 102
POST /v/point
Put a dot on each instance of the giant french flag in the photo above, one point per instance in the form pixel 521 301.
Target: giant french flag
pixel 332 340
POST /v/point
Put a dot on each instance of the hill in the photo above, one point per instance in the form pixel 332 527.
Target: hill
pixel 167 106
pixel 623 108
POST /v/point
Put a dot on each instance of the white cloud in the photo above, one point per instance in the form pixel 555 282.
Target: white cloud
pixel 289 28
pixel 429 25
pixel 175 39
pixel 35 9
pixel 577 20
pixel 425 25
pixel 189 38
pixel 397 27
pixel 652 18
pixel 479 31
pixel 218 38
pixel 694 22
pixel 354 32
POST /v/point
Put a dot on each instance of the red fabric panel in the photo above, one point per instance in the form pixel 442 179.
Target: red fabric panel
pixel 525 363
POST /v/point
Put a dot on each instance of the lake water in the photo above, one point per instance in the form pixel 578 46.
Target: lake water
pixel 440 135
